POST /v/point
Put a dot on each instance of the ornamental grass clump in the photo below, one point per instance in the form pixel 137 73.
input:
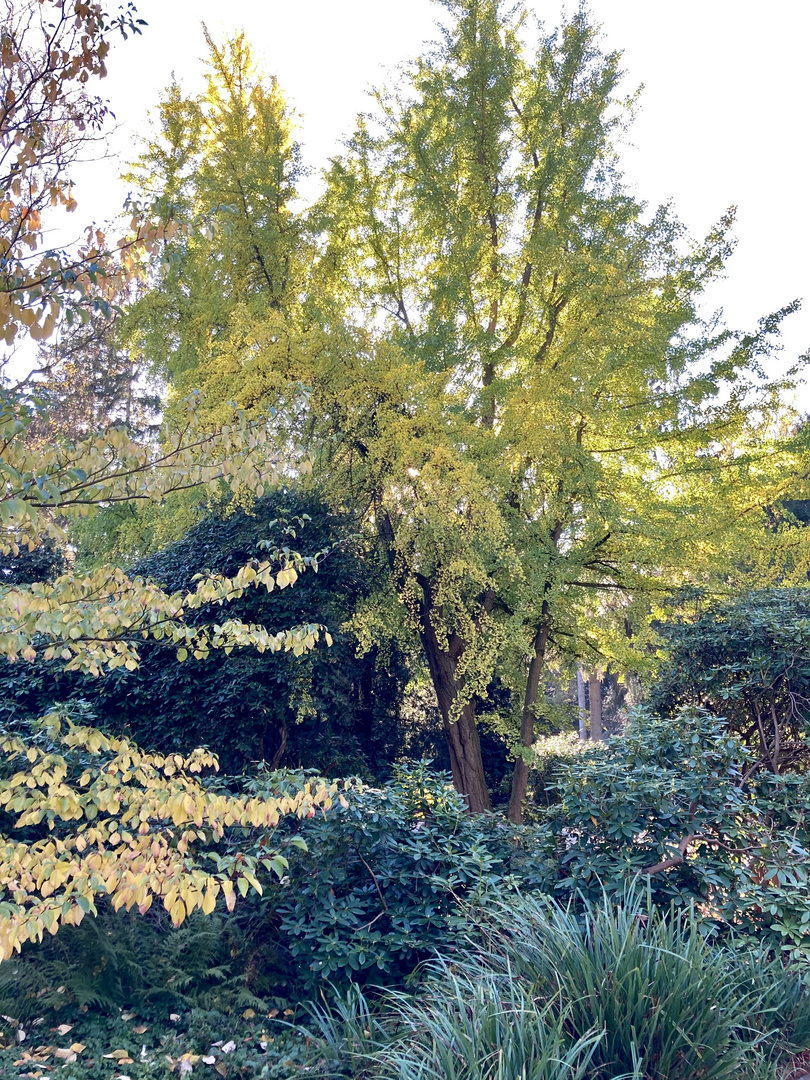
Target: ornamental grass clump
pixel 667 1002
pixel 460 1025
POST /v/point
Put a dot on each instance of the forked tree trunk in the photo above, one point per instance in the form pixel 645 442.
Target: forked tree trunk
pixel 462 734
pixel 520 777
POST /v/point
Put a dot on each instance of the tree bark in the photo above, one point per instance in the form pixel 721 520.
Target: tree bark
pixel 583 732
pixel 281 748
pixel 462 733
pixel 595 704
pixel 520 777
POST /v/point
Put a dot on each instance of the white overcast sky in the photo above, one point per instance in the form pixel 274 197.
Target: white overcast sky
pixel 724 115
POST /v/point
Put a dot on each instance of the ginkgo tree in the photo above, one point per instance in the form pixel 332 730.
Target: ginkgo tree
pixel 226 157
pixel 535 418
pixel 511 384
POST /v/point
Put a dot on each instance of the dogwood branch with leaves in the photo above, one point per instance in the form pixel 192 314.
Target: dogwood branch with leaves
pixel 132 826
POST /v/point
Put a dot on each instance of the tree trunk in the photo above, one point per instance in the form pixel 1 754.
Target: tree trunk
pixel 520 777
pixel 595 703
pixel 462 734
pixel 281 748
pixel 583 732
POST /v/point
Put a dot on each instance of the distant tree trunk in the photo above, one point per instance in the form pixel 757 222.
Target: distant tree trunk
pixel 595 703
pixel 583 731
pixel 281 749
pixel 463 742
pixel 520 777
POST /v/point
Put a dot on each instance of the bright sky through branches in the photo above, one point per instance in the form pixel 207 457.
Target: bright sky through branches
pixel 723 115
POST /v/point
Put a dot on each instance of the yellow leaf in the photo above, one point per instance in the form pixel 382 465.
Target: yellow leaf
pixel 178 912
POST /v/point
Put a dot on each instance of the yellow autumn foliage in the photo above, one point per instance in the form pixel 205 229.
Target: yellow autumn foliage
pixel 114 821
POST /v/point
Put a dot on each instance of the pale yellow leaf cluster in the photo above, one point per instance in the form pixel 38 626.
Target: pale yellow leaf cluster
pixel 96 620
pixel 129 825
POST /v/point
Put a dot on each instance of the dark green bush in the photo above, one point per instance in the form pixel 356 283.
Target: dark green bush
pixel 328 709
pixel 678 801
pixel 625 804
pixel 747 660
pixel 390 877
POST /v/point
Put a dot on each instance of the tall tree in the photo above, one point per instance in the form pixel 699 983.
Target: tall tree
pixel 510 382
pixel 223 166
pixel 544 417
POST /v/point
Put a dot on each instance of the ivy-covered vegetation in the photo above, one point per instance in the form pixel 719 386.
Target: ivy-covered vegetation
pixel 326 709
pixel 404 608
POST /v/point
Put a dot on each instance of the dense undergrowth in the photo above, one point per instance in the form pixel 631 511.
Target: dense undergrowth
pixel 616 990
pixel 409 938
pixel 537 990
